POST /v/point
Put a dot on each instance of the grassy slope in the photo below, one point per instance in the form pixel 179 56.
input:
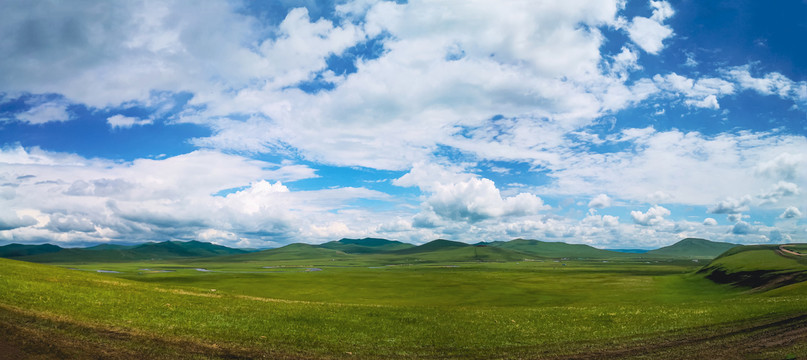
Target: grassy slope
pixel 435 245
pixel 758 266
pixel 17 250
pixel 147 251
pixel 365 246
pixel 289 252
pixel 487 310
pixel 558 249
pixel 693 248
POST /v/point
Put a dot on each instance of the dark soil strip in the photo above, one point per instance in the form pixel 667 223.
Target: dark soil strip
pixel 777 339
pixel 25 336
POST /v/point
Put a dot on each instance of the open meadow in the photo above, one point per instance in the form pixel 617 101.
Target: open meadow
pixel 359 307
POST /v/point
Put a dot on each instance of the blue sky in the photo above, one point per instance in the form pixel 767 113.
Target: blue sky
pixel 619 124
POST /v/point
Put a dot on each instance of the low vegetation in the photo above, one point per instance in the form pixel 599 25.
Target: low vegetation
pixel 450 301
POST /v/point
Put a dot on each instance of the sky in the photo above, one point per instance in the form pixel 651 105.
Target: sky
pixel 618 124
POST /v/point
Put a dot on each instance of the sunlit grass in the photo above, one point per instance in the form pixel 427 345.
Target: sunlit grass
pixel 477 310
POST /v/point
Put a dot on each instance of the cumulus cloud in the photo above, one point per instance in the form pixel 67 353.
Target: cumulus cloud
pixel 601 201
pixel 702 93
pixel 780 190
pixel 201 195
pixel 464 197
pixel 731 206
pixel 743 228
pixel 791 212
pixel 709 222
pixel 654 216
pixel 684 165
pixel 778 237
pixel 649 33
pixel 10 221
pixel 785 166
pixel 735 217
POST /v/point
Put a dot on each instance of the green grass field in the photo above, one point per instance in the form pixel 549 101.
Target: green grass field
pixel 358 307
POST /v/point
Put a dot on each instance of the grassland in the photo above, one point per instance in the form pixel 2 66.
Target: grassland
pixel 259 306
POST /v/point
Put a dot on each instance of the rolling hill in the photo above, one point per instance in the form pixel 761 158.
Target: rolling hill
pixel 365 246
pixel 557 249
pixel 116 253
pixel 692 248
pixel 435 245
pixel 17 250
pixel 762 267
pixel 296 251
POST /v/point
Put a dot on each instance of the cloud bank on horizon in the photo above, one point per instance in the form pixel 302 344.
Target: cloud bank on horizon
pixel 608 122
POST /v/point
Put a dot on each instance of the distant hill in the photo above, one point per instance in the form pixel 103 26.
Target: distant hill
pixel 693 248
pixel 762 267
pixel 435 245
pixel 297 251
pixel 365 246
pixel 470 253
pixel 17 250
pixel 557 249
pixel 114 253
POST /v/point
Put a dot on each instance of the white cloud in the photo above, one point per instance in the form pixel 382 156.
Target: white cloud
pixel 601 201
pixel 709 222
pixel 11 220
pixel 662 10
pixel 654 216
pixel 770 84
pixel 785 166
pixel 731 206
pixel 701 93
pixel 780 190
pixel 735 217
pixel 683 164
pixel 463 197
pixel 791 212
pixel 66 198
pixel 46 112
pixel 395 109
pixel 120 121
pixel 649 33
pixel 743 228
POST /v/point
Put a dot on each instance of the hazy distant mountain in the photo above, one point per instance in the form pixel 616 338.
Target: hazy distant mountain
pixel 439 244
pixel 110 252
pixel 693 248
pixel 17 250
pixel 365 246
pixel 557 249
pixel 297 251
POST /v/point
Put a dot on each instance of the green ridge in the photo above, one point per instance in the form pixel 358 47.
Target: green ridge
pixel 365 246
pixel 558 249
pixel 693 248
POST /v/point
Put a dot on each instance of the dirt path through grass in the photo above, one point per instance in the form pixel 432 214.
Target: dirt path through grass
pixel 782 338
pixel 791 252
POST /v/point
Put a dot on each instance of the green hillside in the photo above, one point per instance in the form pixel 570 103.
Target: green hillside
pixel 365 246
pixel 110 247
pixel 147 251
pixel 470 254
pixel 762 267
pixel 692 248
pixel 297 251
pixel 435 245
pixel 557 249
pixel 17 250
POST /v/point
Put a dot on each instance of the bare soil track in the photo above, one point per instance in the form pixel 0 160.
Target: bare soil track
pixel 773 339
pixel 26 336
